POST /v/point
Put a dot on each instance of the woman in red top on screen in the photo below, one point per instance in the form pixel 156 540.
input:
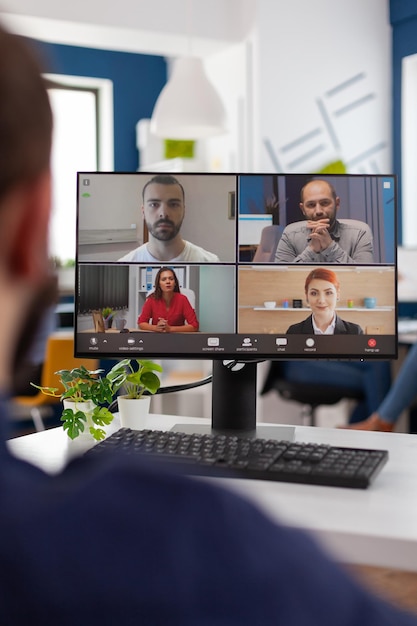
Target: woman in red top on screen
pixel 322 290
pixel 167 310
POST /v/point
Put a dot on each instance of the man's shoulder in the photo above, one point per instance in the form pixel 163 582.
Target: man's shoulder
pixel 197 254
pixel 348 224
pixel 138 254
pixel 123 504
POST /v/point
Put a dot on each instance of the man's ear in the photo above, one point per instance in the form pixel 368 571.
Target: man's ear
pixel 301 205
pixel 28 229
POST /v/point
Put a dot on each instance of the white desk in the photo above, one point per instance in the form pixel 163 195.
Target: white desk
pixel 377 526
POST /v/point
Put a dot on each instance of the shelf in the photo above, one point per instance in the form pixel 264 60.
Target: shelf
pixel 102 236
pixel 342 308
pixel 277 308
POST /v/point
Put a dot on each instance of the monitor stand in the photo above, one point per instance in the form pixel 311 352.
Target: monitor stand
pixel 234 396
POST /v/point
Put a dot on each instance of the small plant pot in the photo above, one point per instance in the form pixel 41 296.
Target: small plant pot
pixel 120 324
pixel 134 412
pixel 84 441
pixel 85 407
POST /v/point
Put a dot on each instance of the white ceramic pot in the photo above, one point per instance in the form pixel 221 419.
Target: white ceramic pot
pixel 85 440
pixel 134 412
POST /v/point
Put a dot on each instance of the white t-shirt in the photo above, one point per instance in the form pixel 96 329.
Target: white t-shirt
pixel 190 254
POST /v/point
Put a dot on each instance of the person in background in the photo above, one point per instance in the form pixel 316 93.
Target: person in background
pixel 166 309
pixel 321 237
pixel 163 208
pixel 399 397
pixel 113 539
pixel 369 380
pixel 322 291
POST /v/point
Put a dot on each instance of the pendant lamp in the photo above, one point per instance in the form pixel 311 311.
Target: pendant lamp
pixel 188 107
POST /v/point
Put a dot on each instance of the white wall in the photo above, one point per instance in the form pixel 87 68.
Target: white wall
pixel 323 72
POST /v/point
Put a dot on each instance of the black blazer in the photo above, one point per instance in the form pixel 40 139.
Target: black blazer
pixel 342 328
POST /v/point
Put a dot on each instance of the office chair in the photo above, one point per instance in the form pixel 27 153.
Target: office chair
pixel 311 396
pixel 265 252
pixel 59 355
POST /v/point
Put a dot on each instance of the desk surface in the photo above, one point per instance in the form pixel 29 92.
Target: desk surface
pixel 377 526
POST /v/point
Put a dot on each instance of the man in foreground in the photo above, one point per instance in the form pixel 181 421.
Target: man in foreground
pixel 114 541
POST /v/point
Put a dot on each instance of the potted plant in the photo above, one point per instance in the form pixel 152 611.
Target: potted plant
pixel 139 382
pixel 85 398
pixel 120 320
pixel 108 315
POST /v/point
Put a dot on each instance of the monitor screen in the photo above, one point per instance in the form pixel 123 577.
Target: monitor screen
pixel 254 266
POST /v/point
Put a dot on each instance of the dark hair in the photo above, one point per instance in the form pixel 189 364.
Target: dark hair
pixel 25 148
pixel 318 180
pixel 163 179
pixel 25 114
pixel 321 273
pixel 157 294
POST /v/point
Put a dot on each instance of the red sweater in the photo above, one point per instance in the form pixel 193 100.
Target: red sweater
pixel 178 313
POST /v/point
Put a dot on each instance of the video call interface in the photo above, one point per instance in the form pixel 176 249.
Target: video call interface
pixel 240 266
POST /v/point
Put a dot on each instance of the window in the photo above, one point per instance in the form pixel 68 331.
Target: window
pixel 82 140
pixel 103 286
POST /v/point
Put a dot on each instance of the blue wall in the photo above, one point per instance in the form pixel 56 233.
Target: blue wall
pixel 137 82
pixel 403 16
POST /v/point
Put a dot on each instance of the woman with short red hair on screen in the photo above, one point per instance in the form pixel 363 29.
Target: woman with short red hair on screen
pixel 322 291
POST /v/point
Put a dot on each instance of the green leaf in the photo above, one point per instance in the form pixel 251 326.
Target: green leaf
pixel 73 422
pixel 98 433
pixel 48 391
pixel 70 393
pixel 150 365
pixel 102 416
pixel 151 382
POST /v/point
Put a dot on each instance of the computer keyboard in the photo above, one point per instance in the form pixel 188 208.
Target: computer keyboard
pixel 242 457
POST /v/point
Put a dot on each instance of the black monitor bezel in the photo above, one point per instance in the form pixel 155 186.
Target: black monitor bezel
pixel 175 347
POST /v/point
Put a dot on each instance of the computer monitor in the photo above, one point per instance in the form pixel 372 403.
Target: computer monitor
pixel 330 254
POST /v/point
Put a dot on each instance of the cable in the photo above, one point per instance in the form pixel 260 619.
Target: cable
pixel 231 365
pixel 183 387
pixel 170 389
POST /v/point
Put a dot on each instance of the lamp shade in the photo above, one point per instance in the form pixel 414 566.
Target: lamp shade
pixel 188 107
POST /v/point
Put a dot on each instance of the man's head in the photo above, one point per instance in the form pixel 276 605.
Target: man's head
pixel 163 206
pixel 25 139
pixel 319 201
pixel 25 115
